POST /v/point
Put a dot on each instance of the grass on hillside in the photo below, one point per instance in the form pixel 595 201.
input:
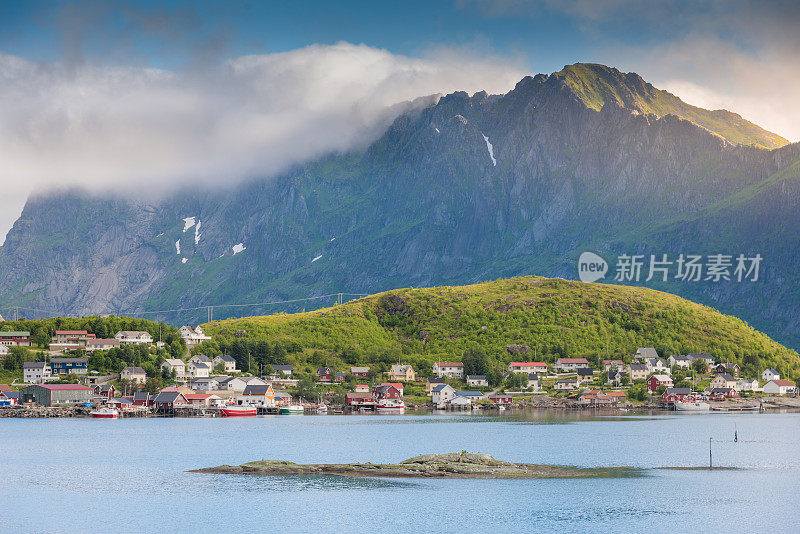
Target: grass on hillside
pixel 553 317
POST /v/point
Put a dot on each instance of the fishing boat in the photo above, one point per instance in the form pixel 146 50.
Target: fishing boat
pixel 105 413
pixel 238 411
pixel 692 406
pixel 292 409
pixel 322 408
pixel 390 406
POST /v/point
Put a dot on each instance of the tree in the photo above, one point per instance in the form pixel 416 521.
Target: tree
pixel 517 381
pixel 699 365
pixel 153 385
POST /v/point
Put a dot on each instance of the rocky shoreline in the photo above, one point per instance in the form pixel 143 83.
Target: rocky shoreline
pixel 451 465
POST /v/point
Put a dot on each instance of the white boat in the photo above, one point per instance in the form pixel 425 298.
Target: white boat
pixel 105 413
pixel 322 408
pixel 291 409
pixel 390 406
pixel 692 406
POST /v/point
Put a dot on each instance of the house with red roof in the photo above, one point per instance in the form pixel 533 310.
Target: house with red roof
pixel 780 387
pixel 527 367
pixel 656 381
pixel 397 385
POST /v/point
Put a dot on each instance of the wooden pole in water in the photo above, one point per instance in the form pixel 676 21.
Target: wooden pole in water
pixel 710 461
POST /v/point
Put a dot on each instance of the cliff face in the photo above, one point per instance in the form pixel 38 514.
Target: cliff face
pixel 471 188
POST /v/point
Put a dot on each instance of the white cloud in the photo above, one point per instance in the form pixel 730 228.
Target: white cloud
pixel 124 128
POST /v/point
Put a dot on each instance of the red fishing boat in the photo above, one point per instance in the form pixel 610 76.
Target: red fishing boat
pixel 105 413
pixel 238 411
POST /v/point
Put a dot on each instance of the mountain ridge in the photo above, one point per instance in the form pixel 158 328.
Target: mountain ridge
pixel 467 189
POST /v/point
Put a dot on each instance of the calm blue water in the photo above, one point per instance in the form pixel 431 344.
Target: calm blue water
pixel 84 475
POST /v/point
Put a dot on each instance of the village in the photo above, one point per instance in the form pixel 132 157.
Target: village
pixel 213 386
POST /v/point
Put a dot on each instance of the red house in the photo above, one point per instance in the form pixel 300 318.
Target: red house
pixel 324 374
pixel 387 391
pixel 105 390
pixel 396 385
pixel 673 395
pixel 170 400
pixel 142 398
pixel 501 399
pixel 359 399
pixel 720 394
pixel 656 381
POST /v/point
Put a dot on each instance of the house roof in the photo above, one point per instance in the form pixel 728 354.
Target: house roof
pixel 397 385
pixel 197 396
pixel 771 370
pixel 168 396
pixel 476 377
pixel 680 358
pixel 281 367
pixel 567 381
pixel 33 365
pixel 359 369
pixel 528 364
pixel 132 333
pixel 105 388
pixel 721 390
pixel 647 352
pixel 324 371
pixel 450 364
pixel 68 360
pixel 727 377
pixel 661 378
pixel 783 382
pixel 174 362
pixel 201 365
pixel 469 394
pixel 201 358
pixel 440 387
pixel 10 394
pixel 677 391
pixel 383 388
pixel 141 395
pixel 573 360
pixel 585 372
pixel 134 370
pixel 637 367
pixel 226 358
pixel 5 387
pixel 17 333
pixel 256 389
pixel 71 332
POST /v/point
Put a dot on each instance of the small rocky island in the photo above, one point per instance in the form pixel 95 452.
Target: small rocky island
pixel 451 465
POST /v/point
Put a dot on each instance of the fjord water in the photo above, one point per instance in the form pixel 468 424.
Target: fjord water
pixel 129 475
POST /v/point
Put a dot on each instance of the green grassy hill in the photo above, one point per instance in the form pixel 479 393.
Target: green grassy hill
pixel 552 317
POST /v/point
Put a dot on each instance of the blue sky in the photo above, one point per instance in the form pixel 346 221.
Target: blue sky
pixel 102 94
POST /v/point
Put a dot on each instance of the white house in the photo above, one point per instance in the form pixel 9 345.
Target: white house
pixel 477 380
pixel 199 369
pixel 527 367
pixel 780 387
pixel 193 336
pixel 448 369
pixel 608 365
pixel 770 374
pixel 746 384
pixel 683 362
pixel 174 364
pixel 571 364
pixel 442 393
pixel 257 395
pixel 657 365
pixel 459 401
pixel 35 372
pixel 239 383
pixel 568 384
pixel 229 361
pixel 133 337
pixel 134 374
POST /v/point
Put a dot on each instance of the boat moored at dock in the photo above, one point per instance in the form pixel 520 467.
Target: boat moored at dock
pixel 238 411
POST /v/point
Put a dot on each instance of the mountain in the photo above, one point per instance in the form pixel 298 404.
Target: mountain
pixel 468 189
pixel 524 318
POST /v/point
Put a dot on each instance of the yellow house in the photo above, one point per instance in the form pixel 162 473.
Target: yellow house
pixel 402 373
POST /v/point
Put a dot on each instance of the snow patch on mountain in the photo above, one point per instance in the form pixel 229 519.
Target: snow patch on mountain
pixel 188 222
pixel 491 150
pixel 238 248
pixel 315 259
pixel 197 232
pixel 178 247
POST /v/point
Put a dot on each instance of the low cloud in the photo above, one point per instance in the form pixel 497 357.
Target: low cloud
pixel 136 128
